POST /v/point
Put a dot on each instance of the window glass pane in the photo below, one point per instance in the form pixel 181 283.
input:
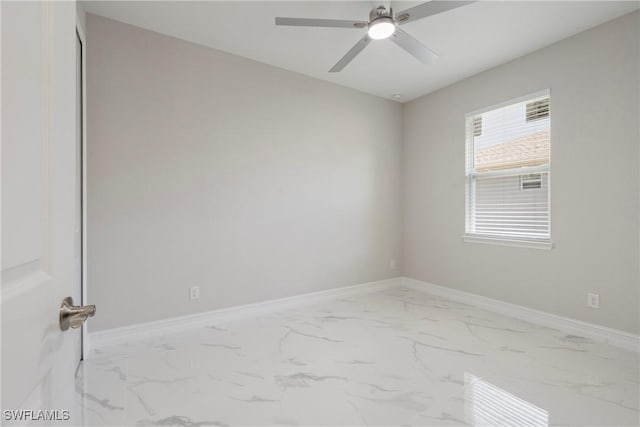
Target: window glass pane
pixel 509 141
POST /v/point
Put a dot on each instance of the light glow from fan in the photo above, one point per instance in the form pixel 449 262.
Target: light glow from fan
pixel 381 28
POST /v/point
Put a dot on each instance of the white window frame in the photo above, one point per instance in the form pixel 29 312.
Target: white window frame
pixel 470 205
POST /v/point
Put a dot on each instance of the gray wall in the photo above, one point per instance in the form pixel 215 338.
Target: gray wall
pixel 82 15
pixel 594 82
pixel 207 169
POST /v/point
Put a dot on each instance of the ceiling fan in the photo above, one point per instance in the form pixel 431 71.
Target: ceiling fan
pixel 382 24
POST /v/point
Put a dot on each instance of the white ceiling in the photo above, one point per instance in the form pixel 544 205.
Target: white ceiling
pixel 468 40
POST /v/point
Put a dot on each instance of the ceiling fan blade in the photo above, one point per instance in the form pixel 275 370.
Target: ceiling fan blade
pixel 353 52
pixel 413 46
pixel 329 23
pixel 428 9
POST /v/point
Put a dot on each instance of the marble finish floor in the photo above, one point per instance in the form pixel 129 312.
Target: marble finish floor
pixel 392 357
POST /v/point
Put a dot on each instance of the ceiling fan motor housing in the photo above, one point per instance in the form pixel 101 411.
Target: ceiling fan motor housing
pixel 380 12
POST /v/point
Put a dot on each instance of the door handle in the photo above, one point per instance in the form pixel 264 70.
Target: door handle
pixel 74 315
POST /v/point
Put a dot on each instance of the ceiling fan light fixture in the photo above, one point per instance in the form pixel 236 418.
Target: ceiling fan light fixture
pixel 381 28
pixel 382 24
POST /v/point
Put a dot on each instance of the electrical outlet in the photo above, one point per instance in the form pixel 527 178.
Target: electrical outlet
pixel 392 264
pixel 194 292
pixel 593 300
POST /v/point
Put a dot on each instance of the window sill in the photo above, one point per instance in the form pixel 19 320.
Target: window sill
pixel 542 244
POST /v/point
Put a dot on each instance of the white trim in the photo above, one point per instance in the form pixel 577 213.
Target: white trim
pixel 531 244
pixel 115 336
pixel 602 334
pixel 511 172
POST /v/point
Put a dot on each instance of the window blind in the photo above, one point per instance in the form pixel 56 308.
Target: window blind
pixel 507 171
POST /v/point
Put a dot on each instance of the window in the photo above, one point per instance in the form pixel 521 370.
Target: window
pixel 507 172
pixel 477 126
pixel 538 110
pixel 531 181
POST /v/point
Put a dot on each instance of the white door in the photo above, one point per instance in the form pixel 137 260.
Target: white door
pixel 39 182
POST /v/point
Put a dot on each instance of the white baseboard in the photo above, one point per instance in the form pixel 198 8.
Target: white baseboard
pixel 592 331
pixel 116 336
